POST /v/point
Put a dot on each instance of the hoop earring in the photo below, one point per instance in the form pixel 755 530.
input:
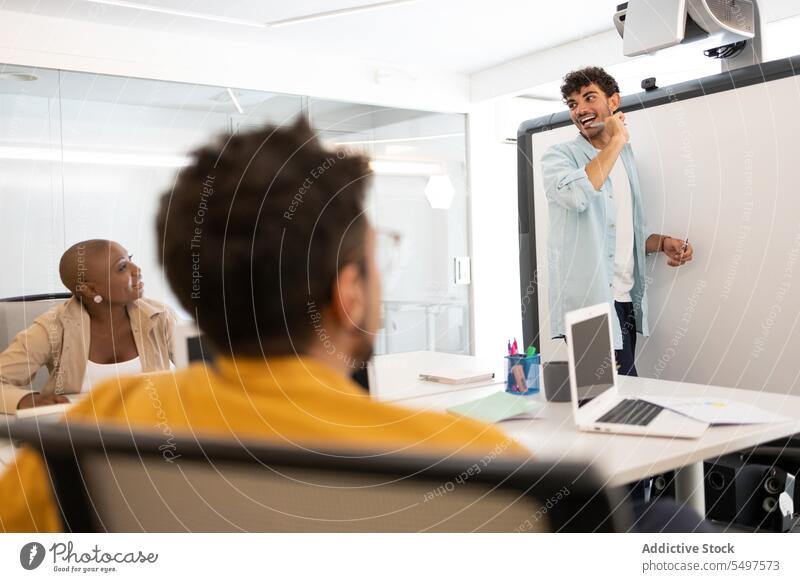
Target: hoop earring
pixel 98 299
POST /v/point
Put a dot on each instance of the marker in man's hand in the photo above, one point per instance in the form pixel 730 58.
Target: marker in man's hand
pixel 602 124
pixel 684 247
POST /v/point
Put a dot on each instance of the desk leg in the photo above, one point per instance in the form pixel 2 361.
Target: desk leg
pixel 690 487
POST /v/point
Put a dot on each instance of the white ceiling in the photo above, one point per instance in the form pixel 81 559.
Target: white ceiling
pixel 451 35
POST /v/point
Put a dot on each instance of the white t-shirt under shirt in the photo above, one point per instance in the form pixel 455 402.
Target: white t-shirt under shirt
pixel 97 372
pixel 623 254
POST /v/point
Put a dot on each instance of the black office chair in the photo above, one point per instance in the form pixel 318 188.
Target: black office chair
pixel 37 297
pixel 112 480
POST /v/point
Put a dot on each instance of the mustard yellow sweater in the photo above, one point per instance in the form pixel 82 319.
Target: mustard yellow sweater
pixel 288 399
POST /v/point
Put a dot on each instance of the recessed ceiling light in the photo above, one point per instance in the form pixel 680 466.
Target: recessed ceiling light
pixel 401 168
pixel 147 159
pixel 176 12
pixel 402 139
pixel 339 12
pixel 242 22
pixel 541 97
pixel 24 77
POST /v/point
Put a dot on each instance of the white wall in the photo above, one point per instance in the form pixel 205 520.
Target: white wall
pixel 493 168
pixel 540 72
pixel 495 241
pixel 87 46
pixel 781 39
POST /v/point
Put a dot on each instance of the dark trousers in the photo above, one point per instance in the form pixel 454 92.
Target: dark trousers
pixel 626 357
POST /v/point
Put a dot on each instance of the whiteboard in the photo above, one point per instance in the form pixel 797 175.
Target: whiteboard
pixel 723 170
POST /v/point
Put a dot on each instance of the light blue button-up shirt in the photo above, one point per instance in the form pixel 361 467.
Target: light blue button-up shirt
pixel 582 236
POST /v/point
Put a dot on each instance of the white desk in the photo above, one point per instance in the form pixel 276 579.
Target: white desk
pixel 622 458
pixel 395 377
pixel 7 449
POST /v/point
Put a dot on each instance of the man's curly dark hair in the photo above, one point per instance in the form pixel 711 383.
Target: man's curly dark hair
pixel 577 80
pixel 256 229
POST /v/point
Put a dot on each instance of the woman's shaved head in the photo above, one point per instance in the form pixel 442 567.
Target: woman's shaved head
pixel 101 268
pixel 80 263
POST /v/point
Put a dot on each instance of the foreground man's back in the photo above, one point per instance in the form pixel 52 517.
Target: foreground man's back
pixel 289 400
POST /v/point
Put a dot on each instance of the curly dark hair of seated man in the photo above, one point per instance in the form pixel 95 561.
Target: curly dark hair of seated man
pixel 577 80
pixel 258 226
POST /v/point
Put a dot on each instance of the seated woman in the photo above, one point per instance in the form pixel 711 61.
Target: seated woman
pixel 106 329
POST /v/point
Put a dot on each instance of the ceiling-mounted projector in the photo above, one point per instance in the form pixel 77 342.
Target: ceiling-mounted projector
pixel 723 26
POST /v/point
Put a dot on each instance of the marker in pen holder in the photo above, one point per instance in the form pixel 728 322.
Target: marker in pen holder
pixel 522 374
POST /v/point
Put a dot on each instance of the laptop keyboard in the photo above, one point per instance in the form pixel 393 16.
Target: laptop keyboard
pixel 631 411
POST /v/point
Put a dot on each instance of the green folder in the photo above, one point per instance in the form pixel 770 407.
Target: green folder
pixel 497 407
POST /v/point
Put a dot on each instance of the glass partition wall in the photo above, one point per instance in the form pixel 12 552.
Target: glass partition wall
pixel 88 156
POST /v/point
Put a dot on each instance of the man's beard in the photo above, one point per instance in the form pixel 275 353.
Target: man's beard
pixel 364 350
pixel 599 119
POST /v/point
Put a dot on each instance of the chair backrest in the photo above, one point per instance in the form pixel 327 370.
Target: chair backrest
pixel 18 313
pixel 109 479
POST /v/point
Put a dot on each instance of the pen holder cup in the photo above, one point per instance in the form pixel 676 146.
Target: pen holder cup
pixel 522 374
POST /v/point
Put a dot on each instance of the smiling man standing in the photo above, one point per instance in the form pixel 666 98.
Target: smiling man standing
pixel 598 234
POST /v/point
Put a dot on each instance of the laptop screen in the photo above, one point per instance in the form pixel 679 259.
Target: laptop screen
pixel 593 357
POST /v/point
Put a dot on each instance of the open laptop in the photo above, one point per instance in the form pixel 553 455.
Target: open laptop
pixel 593 372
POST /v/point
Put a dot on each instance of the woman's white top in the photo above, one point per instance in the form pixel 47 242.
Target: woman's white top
pixel 98 372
